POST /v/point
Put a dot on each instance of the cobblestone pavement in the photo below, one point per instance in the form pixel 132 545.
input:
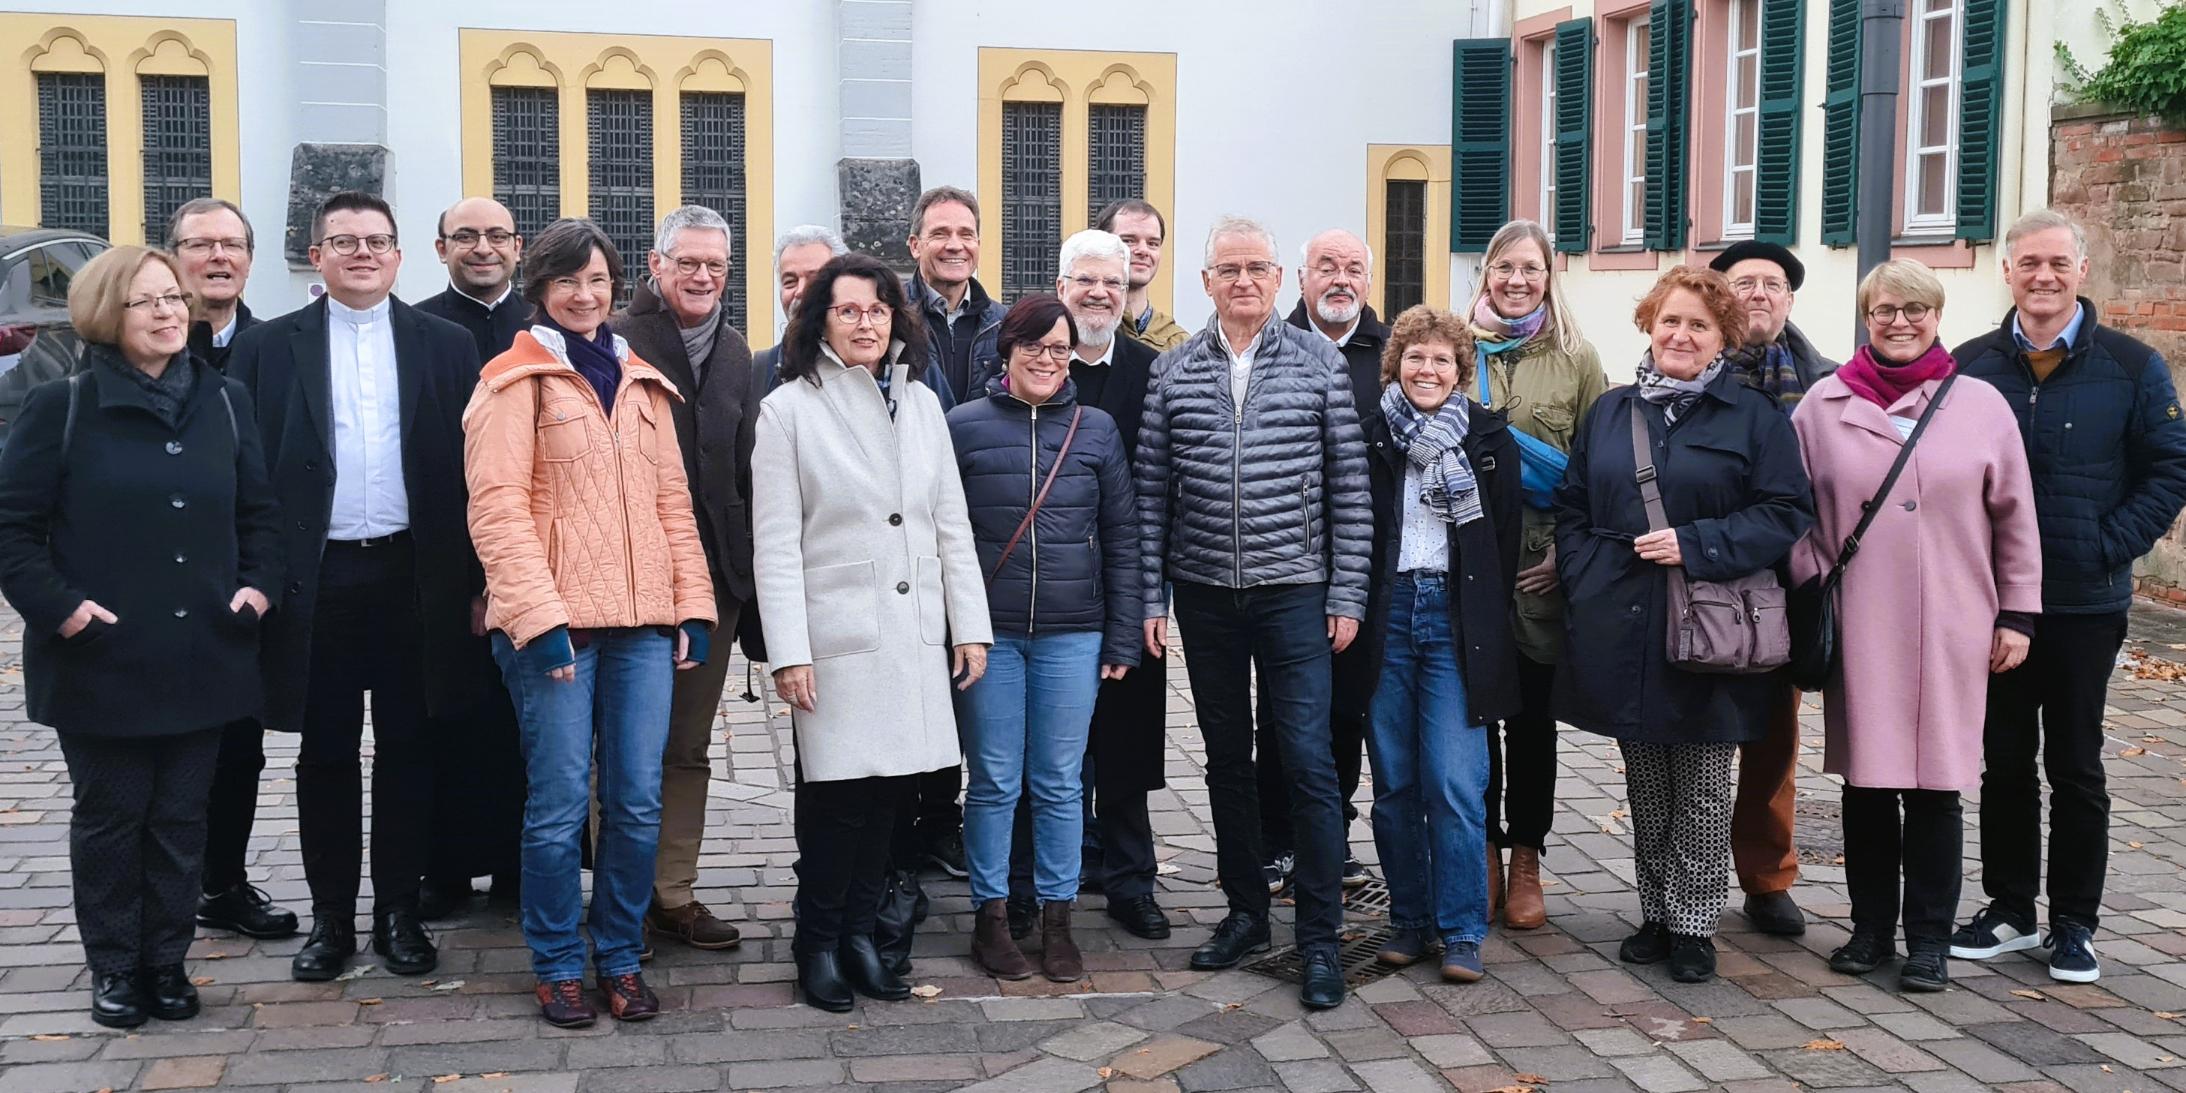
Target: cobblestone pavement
pixel 1556 1012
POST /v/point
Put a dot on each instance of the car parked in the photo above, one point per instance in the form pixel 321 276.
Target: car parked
pixel 36 341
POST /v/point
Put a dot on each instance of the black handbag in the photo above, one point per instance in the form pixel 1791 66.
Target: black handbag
pixel 1812 606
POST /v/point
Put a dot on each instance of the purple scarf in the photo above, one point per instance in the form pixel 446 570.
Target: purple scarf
pixel 1883 383
pixel 1505 334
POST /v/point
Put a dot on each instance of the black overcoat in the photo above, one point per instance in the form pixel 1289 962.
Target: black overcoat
pixel 1130 715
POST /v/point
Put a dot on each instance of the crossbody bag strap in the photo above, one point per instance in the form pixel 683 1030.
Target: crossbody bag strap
pixel 1053 473
pixel 1650 490
pixel 1873 505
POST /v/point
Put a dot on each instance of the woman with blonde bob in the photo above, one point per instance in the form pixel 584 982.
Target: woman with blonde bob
pixel 1540 372
pixel 1942 594
pixel 1444 479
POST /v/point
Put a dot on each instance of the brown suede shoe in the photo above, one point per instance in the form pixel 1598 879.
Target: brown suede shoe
pixel 992 945
pixel 1522 907
pixel 693 925
pixel 1059 957
pixel 628 998
pixel 1495 880
pixel 562 1004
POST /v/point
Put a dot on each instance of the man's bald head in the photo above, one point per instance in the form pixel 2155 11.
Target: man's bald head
pixel 478 242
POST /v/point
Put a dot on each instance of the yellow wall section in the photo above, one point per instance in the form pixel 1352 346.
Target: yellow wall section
pixel 121 48
pixel 575 63
pixel 1429 163
pixel 1077 78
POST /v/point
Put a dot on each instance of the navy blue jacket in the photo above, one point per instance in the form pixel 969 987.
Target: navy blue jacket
pixel 1076 568
pixel 2108 451
pixel 963 352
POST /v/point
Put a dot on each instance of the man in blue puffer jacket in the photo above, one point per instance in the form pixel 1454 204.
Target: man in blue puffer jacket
pixel 1253 500
pixel 2103 432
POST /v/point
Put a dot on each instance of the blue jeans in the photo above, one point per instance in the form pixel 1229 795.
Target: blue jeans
pixel 615 711
pixel 1024 726
pixel 1430 771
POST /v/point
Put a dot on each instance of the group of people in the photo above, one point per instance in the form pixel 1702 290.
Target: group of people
pixel 527 524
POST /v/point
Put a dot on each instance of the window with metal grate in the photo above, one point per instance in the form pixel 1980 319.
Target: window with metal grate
pixel 178 146
pixel 620 128
pixel 1116 154
pixel 527 155
pixel 72 151
pixel 1032 196
pixel 713 176
pixel 1403 246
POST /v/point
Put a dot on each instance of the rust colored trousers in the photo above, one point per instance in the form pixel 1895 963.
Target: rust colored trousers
pixel 1761 818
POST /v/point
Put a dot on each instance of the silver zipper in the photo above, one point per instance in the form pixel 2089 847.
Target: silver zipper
pixel 1032 529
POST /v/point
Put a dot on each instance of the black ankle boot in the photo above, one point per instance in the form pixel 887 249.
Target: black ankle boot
pixel 169 993
pixel 116 1000
pixel 868 974
pixel 820 976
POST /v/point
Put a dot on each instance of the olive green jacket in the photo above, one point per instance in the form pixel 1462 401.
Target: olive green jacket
pixel 1162 332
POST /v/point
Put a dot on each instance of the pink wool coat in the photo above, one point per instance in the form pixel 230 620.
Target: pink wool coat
pixel 1955 542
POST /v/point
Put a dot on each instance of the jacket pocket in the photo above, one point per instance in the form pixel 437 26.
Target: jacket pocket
pixel 564 441
pixel 933 608
pixel 1554 424
pixel 648 431
pixel 1305 518
pixel 842 612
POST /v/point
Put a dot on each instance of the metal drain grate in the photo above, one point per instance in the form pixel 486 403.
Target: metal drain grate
pixel 1356 953
pixel 1818 831
pixel 1371 898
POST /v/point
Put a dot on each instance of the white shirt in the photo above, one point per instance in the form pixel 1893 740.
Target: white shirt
pixel 222 336
pixel 1108 354
pixel 1423 542
pixel 1240 361
pixel 1347 332
pixel 370 499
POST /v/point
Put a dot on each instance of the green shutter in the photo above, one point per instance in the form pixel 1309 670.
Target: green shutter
pixel 1669 49
pixel 1980 117
pixel 1776 167
pixel 1573 217
pixel 1841 125
pixel 1479 141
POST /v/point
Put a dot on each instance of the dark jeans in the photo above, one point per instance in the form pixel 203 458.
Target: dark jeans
pixel 1351 697
pixel 232 808
pixel 1522 764
pixel 1280 633
pixel 1927 844
pixel 364 638
pixel 937 803
pixel 2052 703
pixel 136 843
pixel 843 845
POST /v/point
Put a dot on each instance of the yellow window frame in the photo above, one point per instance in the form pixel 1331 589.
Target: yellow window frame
pixel 1428 163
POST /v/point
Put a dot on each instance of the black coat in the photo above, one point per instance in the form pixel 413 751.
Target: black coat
pixel 161 526
pixel 1355 671
pixel 1483 563
pixel 493 330
pixel 201 337
pixel 284 364
pixel 1130 733
pixel 1734 487
pixel 715 422
pixel 1361 358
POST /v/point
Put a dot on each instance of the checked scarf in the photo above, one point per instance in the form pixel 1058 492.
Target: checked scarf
pixel 1436 445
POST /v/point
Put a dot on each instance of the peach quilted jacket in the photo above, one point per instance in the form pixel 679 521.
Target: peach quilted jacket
pixel 580 519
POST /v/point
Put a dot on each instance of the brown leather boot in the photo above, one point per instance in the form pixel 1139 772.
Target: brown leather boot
pixel 992 945
pixel 1522 908
pixel 1495 880
pixel 1059 958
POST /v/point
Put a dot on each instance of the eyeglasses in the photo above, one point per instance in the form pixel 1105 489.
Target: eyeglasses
pixel 1053 352
pixel 1770 286
pixel 849 314
pixel 691 267
pixel 1356 270
pixel 1886 314
pixel 197 248
pixel 465 237
pixel 1504 271
pixel 1228 272
pixel 1087 283
pixel 600 283
pixel 347 244
pixel 168 301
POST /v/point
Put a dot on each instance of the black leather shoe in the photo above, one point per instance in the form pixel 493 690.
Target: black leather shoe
pixel 1927 966
pixel 1692 959
pixel 1863 953
pixel 245 910
pixel 1141 916
pixel 1651 945
pixel 1235 938
pixel 169 993
pixel 1323 987
pixel 1775 913
pixel 867 974
pixel 820 976
pixel 326 952
pixel 116 1000
pixel 438 899
pixel 1024 912
pixel 401 938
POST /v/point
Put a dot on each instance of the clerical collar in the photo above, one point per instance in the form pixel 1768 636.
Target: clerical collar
pixel 377 313
pixel 506 291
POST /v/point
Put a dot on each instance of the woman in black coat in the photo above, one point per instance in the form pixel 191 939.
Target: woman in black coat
pixel 1060 593
pixel 137 541
pixel 1736 496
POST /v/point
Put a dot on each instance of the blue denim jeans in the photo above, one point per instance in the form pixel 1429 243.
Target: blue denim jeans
pixel 1024 727
pixel 1430 771
pixel 615 713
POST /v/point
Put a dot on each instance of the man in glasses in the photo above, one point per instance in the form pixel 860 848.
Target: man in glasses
pixel 359 398
pixel 1253 500
pixel 478 243
pixel 1778 359
pixel 214 241
pixel 676 323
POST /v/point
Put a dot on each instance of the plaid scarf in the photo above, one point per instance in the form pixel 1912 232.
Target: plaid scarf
pixel 1675 396
pixel 1436 445
pixel 1768 367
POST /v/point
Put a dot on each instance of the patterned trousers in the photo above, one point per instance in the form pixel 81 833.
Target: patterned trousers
pixel 1681 796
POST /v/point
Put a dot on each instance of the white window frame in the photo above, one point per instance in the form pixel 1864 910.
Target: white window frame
pixel 1933 17
pixel 1735 173
pixel 1548 137
pixel 1634 196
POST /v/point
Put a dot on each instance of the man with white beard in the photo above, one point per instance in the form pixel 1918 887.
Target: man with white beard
pixel 1334 280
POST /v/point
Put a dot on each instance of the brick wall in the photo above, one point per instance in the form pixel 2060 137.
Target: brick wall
pixel 2124 176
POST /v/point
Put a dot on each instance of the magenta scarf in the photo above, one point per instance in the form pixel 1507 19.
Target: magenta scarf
pixel 1883 383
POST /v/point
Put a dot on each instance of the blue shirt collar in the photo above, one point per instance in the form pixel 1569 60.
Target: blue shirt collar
pixel 2070 334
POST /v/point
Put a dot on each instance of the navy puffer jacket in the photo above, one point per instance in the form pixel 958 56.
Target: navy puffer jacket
pixel 1076 568
pixel 2108 450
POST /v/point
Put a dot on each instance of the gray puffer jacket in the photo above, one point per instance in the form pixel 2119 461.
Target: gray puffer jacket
pixel 1275 493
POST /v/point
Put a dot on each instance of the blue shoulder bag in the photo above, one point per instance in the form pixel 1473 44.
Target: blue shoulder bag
pixel 1540 464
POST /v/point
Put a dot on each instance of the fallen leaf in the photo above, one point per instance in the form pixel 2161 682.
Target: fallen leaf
pixel 2107 1070
pixel 375 1078
pixel 50 1037
pixel 1703 1020
pixel 1105 1073
pixel 2166 1015
pixel 2133 752
pixel 1530 1079
pixel 926 990
pixel 446 1078
pixel 358 972
pixel 1169 869
pixel 201 981
pixel 2036 995
pixel 1825 1045
pixel 368 1001
pixel 495 1074
pixel 2132 846
pixel 450 985
pixel 1838 860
